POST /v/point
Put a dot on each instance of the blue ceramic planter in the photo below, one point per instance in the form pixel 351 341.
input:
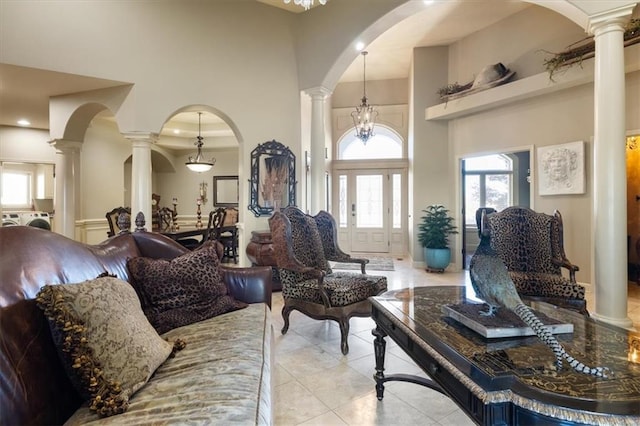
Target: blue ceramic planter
pixel 437 258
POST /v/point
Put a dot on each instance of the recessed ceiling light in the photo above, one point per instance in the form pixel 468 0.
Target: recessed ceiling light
pixel 428 2
pixel 24 122
pixel 176 131
pixel 359 46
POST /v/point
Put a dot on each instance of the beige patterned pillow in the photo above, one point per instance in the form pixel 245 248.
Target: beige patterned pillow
pixel 105 338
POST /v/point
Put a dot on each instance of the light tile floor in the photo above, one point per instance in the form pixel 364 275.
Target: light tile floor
pixel 316 385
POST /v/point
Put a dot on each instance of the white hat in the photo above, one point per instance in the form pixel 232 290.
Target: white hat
pixel 490 76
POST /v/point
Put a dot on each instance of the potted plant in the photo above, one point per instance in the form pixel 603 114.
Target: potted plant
pixel 433 234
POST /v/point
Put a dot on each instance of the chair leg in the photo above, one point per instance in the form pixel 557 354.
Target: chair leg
pixel 344 334
pixel 285 316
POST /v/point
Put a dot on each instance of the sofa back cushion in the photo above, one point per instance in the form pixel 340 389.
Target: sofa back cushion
pixel 184 290
pixel 34 388
pixel 32 257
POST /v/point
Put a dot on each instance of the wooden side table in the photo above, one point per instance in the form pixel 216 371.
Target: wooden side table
pixel 260 253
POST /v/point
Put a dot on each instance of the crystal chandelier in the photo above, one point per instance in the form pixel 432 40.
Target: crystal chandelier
pixel 364 117
pixel 198 164
pixel 305 3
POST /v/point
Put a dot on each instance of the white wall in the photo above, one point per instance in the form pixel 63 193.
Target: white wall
pixel 429 155
pixel 560 117
pixel 102 157
pixel 20 144
pixel 184 184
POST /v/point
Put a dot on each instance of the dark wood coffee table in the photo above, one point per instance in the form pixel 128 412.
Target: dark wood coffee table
pixel 510 381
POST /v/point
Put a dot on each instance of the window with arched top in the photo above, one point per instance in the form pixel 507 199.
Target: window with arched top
pixel 384 144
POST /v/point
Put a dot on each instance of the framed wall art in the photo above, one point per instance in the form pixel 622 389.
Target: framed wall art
pixel 561 169
pixel 273 178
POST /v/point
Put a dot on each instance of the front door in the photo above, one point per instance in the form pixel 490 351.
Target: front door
pixel 371 211
pixel 368 212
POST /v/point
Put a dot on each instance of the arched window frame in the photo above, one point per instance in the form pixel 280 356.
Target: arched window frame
pixel 381 133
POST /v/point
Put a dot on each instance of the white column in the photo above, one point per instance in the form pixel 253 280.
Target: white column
pixel 141 175
pixel 67 186
pixel 318 137
pixel 609 166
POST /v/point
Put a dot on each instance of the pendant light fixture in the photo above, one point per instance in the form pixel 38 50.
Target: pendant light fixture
pixel 305 3
pixel 198 164
pixel 364 117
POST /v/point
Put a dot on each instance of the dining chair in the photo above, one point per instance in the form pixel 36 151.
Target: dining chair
pixel 229 234
pixel 216 219
pixel 112 219
pixel 165 218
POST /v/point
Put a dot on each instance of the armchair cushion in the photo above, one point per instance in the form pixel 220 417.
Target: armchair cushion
pixel 546 285
pixel 107 345
pixel 184 290
pixel 343 288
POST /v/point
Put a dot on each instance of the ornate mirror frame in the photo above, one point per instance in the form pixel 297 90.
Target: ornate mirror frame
pixel 225 191
pixel 273 178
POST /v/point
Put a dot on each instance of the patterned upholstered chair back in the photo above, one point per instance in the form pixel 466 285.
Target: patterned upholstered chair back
pixel 531 246
pixel 523 240
pixel 306 244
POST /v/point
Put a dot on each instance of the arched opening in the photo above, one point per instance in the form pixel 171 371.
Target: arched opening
pixel 221 145
pixel 384 144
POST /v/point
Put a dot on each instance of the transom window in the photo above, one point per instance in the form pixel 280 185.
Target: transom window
pixel 385 144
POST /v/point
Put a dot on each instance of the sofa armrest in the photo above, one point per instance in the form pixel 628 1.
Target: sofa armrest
pixel 250 285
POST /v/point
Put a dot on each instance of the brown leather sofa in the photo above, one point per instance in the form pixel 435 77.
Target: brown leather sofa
pixel 33 386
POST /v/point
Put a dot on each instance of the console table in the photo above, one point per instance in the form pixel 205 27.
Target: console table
pixel 510 381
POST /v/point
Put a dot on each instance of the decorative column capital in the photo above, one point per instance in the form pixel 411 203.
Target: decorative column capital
pixel 611 20
pixel 318 93
pixel 141 138
pixel 64 145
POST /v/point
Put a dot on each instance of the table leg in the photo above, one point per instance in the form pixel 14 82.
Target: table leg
pixel 379 346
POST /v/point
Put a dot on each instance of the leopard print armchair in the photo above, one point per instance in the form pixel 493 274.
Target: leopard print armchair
pixel 531 246
pixel 302 246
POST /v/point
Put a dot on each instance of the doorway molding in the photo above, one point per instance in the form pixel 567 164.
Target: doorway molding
pixel 458 238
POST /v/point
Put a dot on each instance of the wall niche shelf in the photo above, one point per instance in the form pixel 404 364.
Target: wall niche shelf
pixel 525 88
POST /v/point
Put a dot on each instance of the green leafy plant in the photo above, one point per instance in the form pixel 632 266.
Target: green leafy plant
pixel 436 226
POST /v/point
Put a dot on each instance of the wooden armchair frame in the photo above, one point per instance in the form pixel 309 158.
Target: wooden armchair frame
pixel 304 274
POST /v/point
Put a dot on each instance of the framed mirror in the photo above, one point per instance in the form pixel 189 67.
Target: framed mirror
pixel 225 191
pixel 273 178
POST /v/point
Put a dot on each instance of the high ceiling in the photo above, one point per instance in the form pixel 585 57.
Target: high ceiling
pixel 25 92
